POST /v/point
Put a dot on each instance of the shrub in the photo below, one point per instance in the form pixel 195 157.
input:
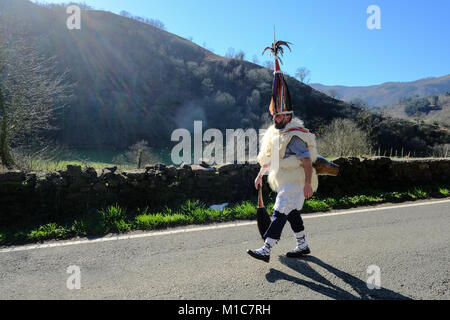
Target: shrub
pixel 79 228
pixel 343 138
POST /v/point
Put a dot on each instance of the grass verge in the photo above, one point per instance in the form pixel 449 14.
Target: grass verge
pixel 115 219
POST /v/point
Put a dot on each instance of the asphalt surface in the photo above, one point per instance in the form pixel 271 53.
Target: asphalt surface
pixel 410 245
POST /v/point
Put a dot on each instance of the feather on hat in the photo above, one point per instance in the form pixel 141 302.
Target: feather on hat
pixel 281 102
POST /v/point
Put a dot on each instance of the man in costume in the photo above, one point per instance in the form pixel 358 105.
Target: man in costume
pixel 288 151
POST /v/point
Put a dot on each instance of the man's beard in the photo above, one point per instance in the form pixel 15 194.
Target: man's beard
pixel 280 125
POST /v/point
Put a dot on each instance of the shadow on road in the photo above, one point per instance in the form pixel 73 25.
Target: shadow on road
pixel 322 285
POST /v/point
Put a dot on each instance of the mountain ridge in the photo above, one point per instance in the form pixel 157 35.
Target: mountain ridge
pixel 389 92
pixel 137 82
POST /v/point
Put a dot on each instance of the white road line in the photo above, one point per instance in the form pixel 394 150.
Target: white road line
pixel 373 209
pixel 213 227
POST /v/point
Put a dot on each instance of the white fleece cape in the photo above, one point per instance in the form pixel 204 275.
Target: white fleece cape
pixel 290 170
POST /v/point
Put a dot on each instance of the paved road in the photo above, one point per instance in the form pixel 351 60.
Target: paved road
pixel 410 244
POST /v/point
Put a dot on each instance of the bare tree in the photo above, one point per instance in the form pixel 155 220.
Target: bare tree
pixel 303 74
pixel 153 22
pixel 269 64
pixel 240 55
pixel 31 93
pixel 138 154
pixel 63 6
pixel 126 14
pixel 441 151
pixel 255 59
pixel 435 100
pixel 230 53
pixel 343 138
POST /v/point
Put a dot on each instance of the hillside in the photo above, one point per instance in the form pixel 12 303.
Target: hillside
pixel 390 92
pixel 134 81
pixel 431 109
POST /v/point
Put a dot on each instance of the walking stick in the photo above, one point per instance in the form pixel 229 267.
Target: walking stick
pixel 323 167
pixel 262 216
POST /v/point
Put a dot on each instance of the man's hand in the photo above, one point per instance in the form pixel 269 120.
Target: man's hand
pixel 307 191
pixel 258 181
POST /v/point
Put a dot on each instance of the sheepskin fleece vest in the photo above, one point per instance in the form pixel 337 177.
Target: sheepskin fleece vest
pixel 289 170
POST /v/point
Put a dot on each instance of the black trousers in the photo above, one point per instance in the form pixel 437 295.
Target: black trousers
pixel 279 220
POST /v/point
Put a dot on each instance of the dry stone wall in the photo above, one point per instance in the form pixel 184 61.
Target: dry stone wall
pixel 68 192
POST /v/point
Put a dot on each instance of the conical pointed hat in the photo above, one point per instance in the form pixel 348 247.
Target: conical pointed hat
pixel 281 102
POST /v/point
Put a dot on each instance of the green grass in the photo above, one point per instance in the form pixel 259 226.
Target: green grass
pixel 45 165
pixel 115 219
pixel 158 221
pixel 49 231
pixel 444 191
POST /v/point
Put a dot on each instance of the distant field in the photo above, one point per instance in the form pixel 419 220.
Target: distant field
pixel 96 158
pixel 41 165
pixel 160 155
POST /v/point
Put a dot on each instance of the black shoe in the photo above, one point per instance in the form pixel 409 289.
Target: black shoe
pixel 259 256
pixel 298 254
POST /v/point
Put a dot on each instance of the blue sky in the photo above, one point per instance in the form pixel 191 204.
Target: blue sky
pixel 330 37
